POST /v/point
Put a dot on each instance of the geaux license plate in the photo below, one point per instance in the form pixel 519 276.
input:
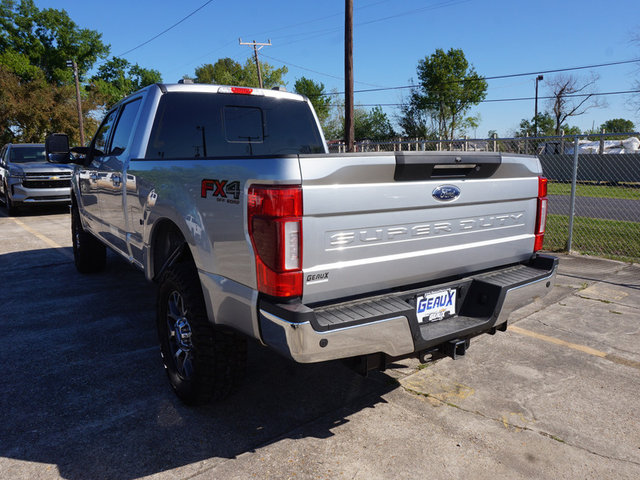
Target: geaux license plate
pixel 435 306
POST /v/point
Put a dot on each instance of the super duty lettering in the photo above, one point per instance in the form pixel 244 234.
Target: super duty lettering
pixel 398 233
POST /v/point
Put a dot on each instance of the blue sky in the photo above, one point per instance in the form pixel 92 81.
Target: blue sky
pixel 498 37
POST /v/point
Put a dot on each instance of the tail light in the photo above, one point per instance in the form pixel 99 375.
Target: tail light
pixel 275 229
pixel 541 217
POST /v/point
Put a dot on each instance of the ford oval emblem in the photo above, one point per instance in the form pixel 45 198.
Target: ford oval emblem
pixel 446 193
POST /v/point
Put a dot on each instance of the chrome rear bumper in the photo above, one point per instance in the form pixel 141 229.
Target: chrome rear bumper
pixel 387 323
pixel 304 344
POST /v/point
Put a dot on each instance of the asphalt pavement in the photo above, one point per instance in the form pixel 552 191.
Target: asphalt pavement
pixel 84 396
pixel 626 210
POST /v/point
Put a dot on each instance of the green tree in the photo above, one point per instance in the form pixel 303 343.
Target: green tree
pixel 45 39
pixel 471 124
pixel 376 126
pixel 333 126
pixel 571 130
pixel 227 71
pixel 414 121
pixel 118 78
pixel 20 65
pixel 32 109
pixel 271 76
pixel 618 125
pixel 448 87
pixel 371 124
pixel 315 92
pixel 37 95
pixel 546 126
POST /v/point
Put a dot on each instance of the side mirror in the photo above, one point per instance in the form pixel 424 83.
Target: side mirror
pixel 56 148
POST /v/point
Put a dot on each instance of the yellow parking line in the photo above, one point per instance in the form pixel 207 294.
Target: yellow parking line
pixel 576 346
pixel 557 341
pixel 42 237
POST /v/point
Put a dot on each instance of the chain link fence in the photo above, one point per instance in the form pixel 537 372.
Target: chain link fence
pixel 594 186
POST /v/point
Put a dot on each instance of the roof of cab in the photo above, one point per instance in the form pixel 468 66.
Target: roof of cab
pixel 227 89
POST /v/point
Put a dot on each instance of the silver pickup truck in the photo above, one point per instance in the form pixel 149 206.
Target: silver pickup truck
pixel 227 198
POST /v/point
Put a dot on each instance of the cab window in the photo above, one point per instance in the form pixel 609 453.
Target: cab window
pixel 102 135
pixel 124 127
pixel 191 125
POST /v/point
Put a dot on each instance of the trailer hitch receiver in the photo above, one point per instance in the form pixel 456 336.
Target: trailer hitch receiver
pixel 456 348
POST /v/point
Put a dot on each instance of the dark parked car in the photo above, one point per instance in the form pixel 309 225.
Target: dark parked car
pixel 26 178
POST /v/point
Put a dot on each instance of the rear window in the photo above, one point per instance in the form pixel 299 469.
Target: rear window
pixel 198 125
pixel 27 154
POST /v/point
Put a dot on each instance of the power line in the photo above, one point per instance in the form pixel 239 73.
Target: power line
pixel 584 67
pixel 317 19
pixel 330 30
pixel 320 33
pixel 167 29
pixel 497 77
pixel 442 4
pixel 517 99
pixel 576 95
pixel 317 72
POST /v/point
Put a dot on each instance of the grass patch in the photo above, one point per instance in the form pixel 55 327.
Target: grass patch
pixel 591 236
pixel 597 191
pixel 557 439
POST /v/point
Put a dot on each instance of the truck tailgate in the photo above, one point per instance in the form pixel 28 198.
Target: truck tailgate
pixel 378 221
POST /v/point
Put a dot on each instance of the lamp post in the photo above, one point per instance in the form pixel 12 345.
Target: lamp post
pixel 535 118
pixel 74 65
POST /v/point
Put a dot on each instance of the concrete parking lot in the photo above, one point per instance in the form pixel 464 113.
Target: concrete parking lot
pixel 84 396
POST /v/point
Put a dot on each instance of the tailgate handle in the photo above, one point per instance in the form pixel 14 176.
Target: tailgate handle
pixel 455 170
pixel 414 166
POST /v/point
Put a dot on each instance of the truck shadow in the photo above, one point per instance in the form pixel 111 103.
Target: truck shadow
pixel 84 390
pixel 36 210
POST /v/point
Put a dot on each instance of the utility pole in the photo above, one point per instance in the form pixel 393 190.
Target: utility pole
pixel 255 54
pixel 74 65
pixel 348 75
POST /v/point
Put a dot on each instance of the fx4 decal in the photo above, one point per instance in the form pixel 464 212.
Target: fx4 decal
pixel 222 190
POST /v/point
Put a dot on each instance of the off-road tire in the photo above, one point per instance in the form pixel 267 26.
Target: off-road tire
pixel 213 360
pixel 89 254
